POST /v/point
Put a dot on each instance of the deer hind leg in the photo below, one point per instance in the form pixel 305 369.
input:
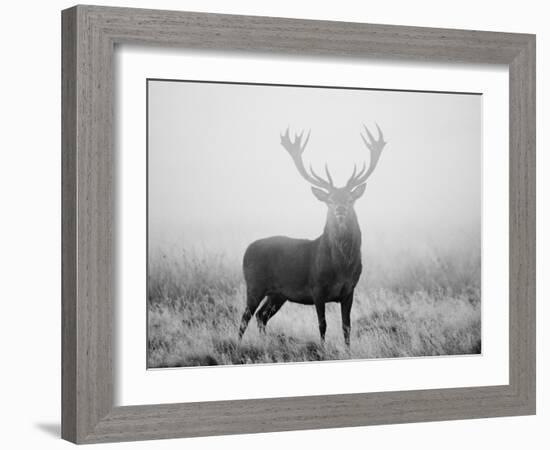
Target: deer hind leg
pixel 253 300
pixel 271 306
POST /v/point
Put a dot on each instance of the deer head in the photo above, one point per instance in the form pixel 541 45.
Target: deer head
pixel 339 200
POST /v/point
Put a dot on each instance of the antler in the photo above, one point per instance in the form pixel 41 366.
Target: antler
pixel 375 147
pixel 295 150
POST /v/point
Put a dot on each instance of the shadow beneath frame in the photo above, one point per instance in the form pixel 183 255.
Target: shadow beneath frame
pixel 53 429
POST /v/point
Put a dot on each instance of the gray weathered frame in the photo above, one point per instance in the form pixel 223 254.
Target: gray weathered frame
pixel 89 36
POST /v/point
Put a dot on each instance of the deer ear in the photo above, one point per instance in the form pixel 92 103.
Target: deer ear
pixel 358 191
pixel 320 194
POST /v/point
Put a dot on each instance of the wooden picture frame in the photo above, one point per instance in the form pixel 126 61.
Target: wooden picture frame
pixel 89 37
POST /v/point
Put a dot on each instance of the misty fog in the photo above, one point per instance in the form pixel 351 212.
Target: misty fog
pixel 218 177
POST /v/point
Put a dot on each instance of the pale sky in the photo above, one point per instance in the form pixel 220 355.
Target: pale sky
pixel 219 178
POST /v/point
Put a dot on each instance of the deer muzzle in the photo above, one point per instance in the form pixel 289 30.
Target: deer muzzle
pixel 340 213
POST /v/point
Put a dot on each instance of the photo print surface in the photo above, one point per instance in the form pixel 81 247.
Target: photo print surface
pixel 291 224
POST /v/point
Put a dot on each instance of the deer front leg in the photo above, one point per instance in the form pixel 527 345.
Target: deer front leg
pixel 320 308
pixel 345 308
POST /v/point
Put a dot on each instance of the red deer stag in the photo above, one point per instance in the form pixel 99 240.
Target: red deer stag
pixel 311 272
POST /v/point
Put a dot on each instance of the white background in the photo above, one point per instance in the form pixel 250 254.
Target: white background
pixel 30 186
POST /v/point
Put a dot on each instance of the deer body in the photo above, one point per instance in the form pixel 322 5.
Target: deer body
pixel 299 269
pixel 310 272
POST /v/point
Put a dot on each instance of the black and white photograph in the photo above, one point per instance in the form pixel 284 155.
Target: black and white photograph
pixel 270 225
pixel 309 223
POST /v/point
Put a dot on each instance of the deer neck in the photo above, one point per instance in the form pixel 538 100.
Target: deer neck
pixel 343 241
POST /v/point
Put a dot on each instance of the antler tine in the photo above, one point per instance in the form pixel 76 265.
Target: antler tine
pixel 380 135
pixel 320 179
pixel 375 147
pixel 362 171
pixel 371 137
pixel 328 175
pixel 295 149
pixel 307 139
pixel 355 175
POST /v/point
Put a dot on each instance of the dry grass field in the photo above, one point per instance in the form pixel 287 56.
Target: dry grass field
pixel 405 308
